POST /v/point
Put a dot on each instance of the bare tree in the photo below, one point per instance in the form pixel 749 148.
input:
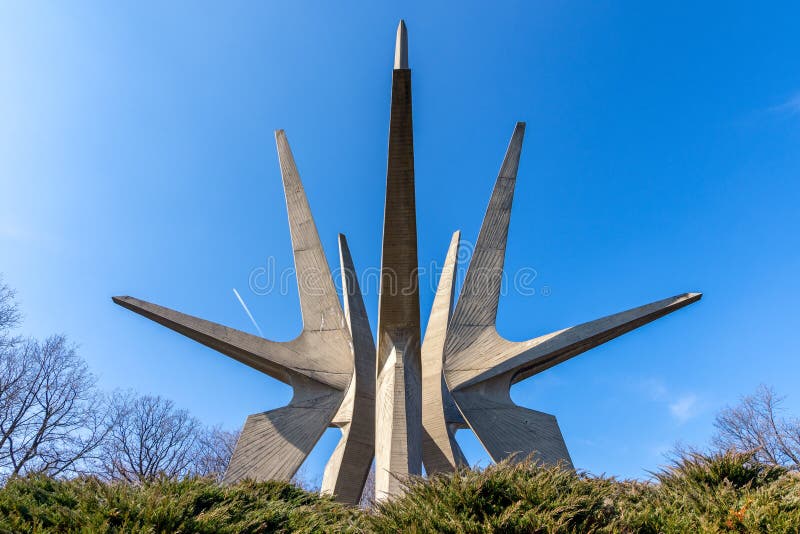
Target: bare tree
pixel 9 316
pixel 756 425
pixel 216 449
pixel 150 437
pixel 51 418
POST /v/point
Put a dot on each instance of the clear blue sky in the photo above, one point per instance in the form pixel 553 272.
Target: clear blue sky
pixel 661 156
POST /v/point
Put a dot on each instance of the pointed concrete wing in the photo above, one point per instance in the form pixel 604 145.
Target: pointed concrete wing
pixel 282 361
pixel 480 366
pixel 491 356
pixel 440 415
pixel 482 392
pixel 318 364
pixel 274 444
pixel 477 304
pixel 319 301
pixel 349 465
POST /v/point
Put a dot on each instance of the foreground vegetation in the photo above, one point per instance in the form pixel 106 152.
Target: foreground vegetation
pixel 722 493
pixel 40 504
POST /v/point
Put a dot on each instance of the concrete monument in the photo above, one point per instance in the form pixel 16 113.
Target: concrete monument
pixel 398 399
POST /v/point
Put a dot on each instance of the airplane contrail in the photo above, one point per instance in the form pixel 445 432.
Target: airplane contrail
pixel 247 311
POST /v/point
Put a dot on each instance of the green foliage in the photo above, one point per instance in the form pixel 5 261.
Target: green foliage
pixel 510 498
pixel 711 494
pixel 39 504
pixel 727 492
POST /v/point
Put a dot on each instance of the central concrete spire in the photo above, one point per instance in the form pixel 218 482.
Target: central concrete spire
pixel 398 411
pixel 401 47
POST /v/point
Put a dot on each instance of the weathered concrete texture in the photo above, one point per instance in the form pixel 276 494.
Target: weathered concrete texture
pixel 398 410
pixel 440 415
pixel 274 444
pixel 349 465
pixel 480 366
pixel 319 364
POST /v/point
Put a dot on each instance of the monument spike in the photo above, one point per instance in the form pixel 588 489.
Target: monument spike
pixel 480 293
pixel 278 360
pixel 398 413
pixel 319 302
pixel 491 356
pixel 440 415
pixel 348 467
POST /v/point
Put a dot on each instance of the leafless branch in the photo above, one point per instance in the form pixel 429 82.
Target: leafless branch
pixel 757 425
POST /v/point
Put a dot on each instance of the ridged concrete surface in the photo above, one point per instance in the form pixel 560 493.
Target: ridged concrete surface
pixel 398 409
pixel 440 416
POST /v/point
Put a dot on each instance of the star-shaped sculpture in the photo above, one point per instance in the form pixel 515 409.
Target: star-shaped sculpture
pixel 400 401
